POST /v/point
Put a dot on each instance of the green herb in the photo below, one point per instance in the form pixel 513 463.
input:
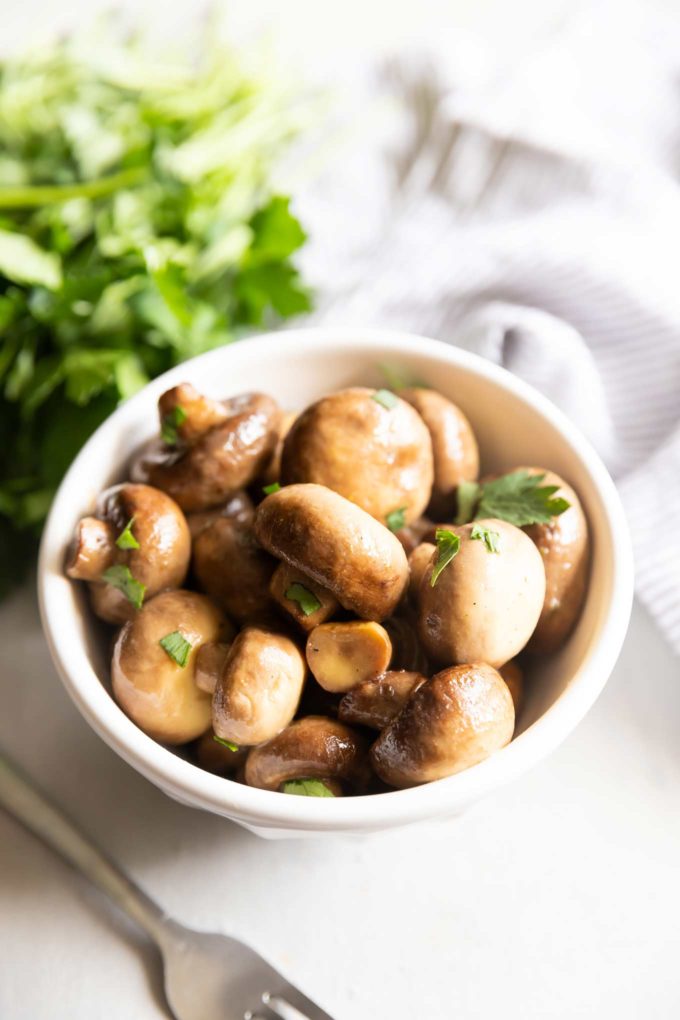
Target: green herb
pixel 306 599
pixel 269 489
pixel 467 495
pixel 386 398
pixel 177 647
pixel 307 788
pixel 171 423
pixel 520 499
pixel 126 540
pixel 121 578
pixel 225 743
pixel 396 519
pixel 487 536
pixel 448 545
pixel 138 227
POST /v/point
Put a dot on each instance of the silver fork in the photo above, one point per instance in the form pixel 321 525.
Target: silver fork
pixel 207 977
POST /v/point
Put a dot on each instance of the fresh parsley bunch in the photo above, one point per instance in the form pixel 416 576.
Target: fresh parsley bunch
pixel 138 227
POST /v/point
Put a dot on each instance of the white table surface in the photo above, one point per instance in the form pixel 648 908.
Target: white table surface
pixel 556 898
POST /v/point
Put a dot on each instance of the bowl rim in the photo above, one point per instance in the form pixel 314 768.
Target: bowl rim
pixel 260 808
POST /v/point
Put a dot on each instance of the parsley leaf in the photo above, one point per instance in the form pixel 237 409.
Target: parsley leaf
pixel 121 578
pixel 487 536
pixel 171 423
pixel 306 599
pixel 126 540
pixel 467 495
pixel 448 545
pixel 395 519
pixel 225 743
pixel 520 499
pixel 269 489
pixel 307 788
pixel 176 646
pixel 386 398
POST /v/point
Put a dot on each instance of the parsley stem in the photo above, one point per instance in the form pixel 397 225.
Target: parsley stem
pixel 33 195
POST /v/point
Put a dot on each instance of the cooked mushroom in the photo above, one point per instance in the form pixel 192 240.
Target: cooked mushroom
pixel 237 507
pixel 342 655
pixel 486 602
pixel 454 720
pixel 419 562
pixel 233 569
pixel 337 544
pixel 513 675
pixel 310 748
pixel 376 701
pixel 214 448
pixel 565 549
pixel 454 447
pixel 152 670
pixel 140 531
pixel 260 687
pixel 368 445
pixel 301 597
pixel 215 756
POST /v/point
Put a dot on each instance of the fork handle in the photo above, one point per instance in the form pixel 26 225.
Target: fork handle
pixel 25 802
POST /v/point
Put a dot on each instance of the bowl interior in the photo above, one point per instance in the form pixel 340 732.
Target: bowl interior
pixel 513 426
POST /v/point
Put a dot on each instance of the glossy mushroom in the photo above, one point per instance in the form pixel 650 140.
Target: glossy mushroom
pixel 337 544
pixel 375 702
pixel 454 447
pixel 370 446
pixel 485 604
pixel 453 721
pixel 513 675
pixel 136 528
pixel 211 448
pixel 155 689
pixel 342 655
pixel 311 748
pixel 233 568
pixel 259 690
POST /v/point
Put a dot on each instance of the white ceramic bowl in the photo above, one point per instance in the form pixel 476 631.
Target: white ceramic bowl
pixel 514 425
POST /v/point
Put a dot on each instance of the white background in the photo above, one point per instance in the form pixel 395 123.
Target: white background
pixel 555 898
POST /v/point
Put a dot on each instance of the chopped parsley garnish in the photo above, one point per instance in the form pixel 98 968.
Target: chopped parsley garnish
pixel 269 489
pixel 126 540
pixel 467 495
pixel 520 499
pixel 121 578
pixel 176 646
pixel 448 545
pixel 225 743
pixel 306 599
pixel 396 519
pixel 487 536
pixel 307 788
pixel 171 423
pixel 386 398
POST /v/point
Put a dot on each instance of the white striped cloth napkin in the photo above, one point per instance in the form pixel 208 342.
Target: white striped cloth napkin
pixel 540 226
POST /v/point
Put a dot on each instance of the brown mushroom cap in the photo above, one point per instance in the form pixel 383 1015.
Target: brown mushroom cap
pixel 564 546
pixel 456 719
pixel 232 568
pixel 211 659
pixel 419 562
pixel 260 687
pixel 378 457
pixel 161 532
pixel 272 472
pixel 454 447
pixel 217 462
pixel 513 675
pixel 377 701
pixel 485 605
pixel 310 748
pixel 159 695
pixel 337 544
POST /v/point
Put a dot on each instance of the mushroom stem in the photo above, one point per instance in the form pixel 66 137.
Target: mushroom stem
pixel 92 550
pixel 201 412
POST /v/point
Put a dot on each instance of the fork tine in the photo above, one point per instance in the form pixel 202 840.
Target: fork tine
pixel 290 1004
